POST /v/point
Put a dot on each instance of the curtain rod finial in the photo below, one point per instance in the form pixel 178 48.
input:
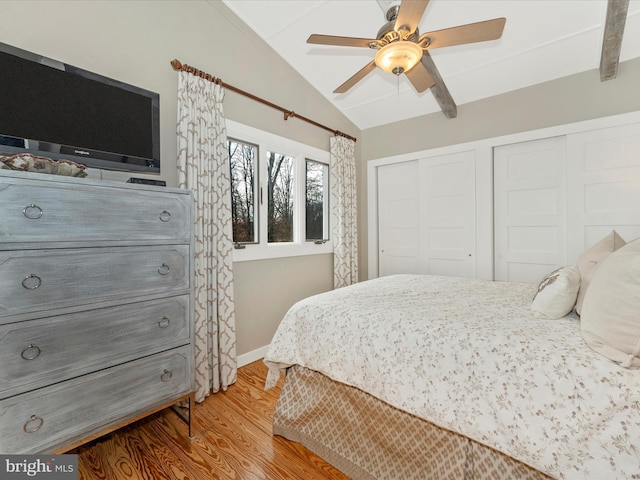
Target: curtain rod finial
pixel 176 64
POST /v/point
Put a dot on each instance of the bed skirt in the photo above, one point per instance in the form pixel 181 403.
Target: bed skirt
pixel 368 439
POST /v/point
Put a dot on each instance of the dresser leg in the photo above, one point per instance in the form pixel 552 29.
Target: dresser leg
pixel 192 404
pixel 186 417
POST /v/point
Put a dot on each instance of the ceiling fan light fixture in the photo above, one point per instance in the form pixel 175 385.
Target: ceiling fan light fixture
pixel 398 57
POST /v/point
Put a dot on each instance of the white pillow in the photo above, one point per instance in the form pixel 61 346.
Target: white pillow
pixel 557 293
pixel 610 319
pixel 589 259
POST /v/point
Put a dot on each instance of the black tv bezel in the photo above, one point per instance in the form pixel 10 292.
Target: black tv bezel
pixel 85 155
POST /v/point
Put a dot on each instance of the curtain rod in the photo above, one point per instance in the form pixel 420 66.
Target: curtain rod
pixel 177 65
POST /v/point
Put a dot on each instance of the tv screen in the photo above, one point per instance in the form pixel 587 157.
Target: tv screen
pixel 60 111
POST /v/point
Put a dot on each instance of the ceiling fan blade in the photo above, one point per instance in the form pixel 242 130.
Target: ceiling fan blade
pixel 339 41
pixel 420 78
pixel 440 90
pixel 368 68
pixel 410 14
pixel 470 33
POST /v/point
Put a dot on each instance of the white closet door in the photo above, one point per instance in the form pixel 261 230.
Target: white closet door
pixel 398 218
pixel 426 216
pixel 529 209
pixel 448 216
pixel 603 185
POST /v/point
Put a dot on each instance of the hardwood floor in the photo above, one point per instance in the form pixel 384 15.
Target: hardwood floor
pixel 232 440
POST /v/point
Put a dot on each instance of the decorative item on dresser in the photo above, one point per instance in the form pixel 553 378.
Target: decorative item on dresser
pixel 96 300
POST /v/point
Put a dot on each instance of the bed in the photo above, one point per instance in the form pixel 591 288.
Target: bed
pixel 419 376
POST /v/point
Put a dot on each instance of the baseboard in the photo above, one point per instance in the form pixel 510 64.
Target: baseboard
pixel 250 357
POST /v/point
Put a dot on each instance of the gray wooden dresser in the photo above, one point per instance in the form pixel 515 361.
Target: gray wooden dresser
pixel 96 307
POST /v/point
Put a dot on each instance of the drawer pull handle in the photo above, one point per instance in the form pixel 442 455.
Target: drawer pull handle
pixel 33 424
pixel 31 352
pixel 164 323
pixel 31 281
pixel 166 375
pixel 163 269
pixel 32 212
pixel 165 216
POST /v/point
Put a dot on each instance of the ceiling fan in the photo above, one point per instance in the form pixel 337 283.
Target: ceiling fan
pixel 402 49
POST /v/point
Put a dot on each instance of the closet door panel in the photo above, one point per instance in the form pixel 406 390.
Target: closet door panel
pixel 529 209
pixel 426 216
pixel 603 185
pixel 447 227
pixel 398 218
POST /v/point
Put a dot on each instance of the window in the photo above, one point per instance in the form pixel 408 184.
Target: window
pixel 243 158
pixel 316 205
pixel 279 195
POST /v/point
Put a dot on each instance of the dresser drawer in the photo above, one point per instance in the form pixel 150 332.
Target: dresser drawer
pixel 45 211
pixel 40 352
pixel 42 280
pixel 52 417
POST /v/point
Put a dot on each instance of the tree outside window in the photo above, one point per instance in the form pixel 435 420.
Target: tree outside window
pixel 316 224
pixel 280 197
pixel 243 158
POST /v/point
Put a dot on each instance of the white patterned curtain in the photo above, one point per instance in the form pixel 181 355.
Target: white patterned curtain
pixel 344 212
pixel 203 167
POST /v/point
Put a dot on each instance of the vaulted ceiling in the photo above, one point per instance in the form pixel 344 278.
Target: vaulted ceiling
pixel 542 40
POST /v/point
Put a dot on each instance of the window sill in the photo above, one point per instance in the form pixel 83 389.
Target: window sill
pixel 263 252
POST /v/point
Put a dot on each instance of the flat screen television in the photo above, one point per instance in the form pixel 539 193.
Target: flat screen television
pixel 59 111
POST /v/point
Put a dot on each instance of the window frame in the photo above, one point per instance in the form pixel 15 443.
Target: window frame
pixel 301 153
pixel 256 192
pixel 326 204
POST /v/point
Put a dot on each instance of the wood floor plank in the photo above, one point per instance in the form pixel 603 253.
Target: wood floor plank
pixel 232 440
pixel 92 464
pixel 248 441
pixel 179 459
pixel 131 458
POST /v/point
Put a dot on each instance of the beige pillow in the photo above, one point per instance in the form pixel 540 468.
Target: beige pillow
pixel 557 293
pixel 610 319
pixel 589 260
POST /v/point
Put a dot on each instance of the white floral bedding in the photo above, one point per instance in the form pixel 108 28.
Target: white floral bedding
pixel 468 356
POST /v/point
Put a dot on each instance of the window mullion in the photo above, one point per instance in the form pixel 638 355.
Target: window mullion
pixel 263 203
pixel 299 200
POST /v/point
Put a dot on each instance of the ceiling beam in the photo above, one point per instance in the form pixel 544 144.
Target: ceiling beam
pixel 440 90
pixel 612 41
